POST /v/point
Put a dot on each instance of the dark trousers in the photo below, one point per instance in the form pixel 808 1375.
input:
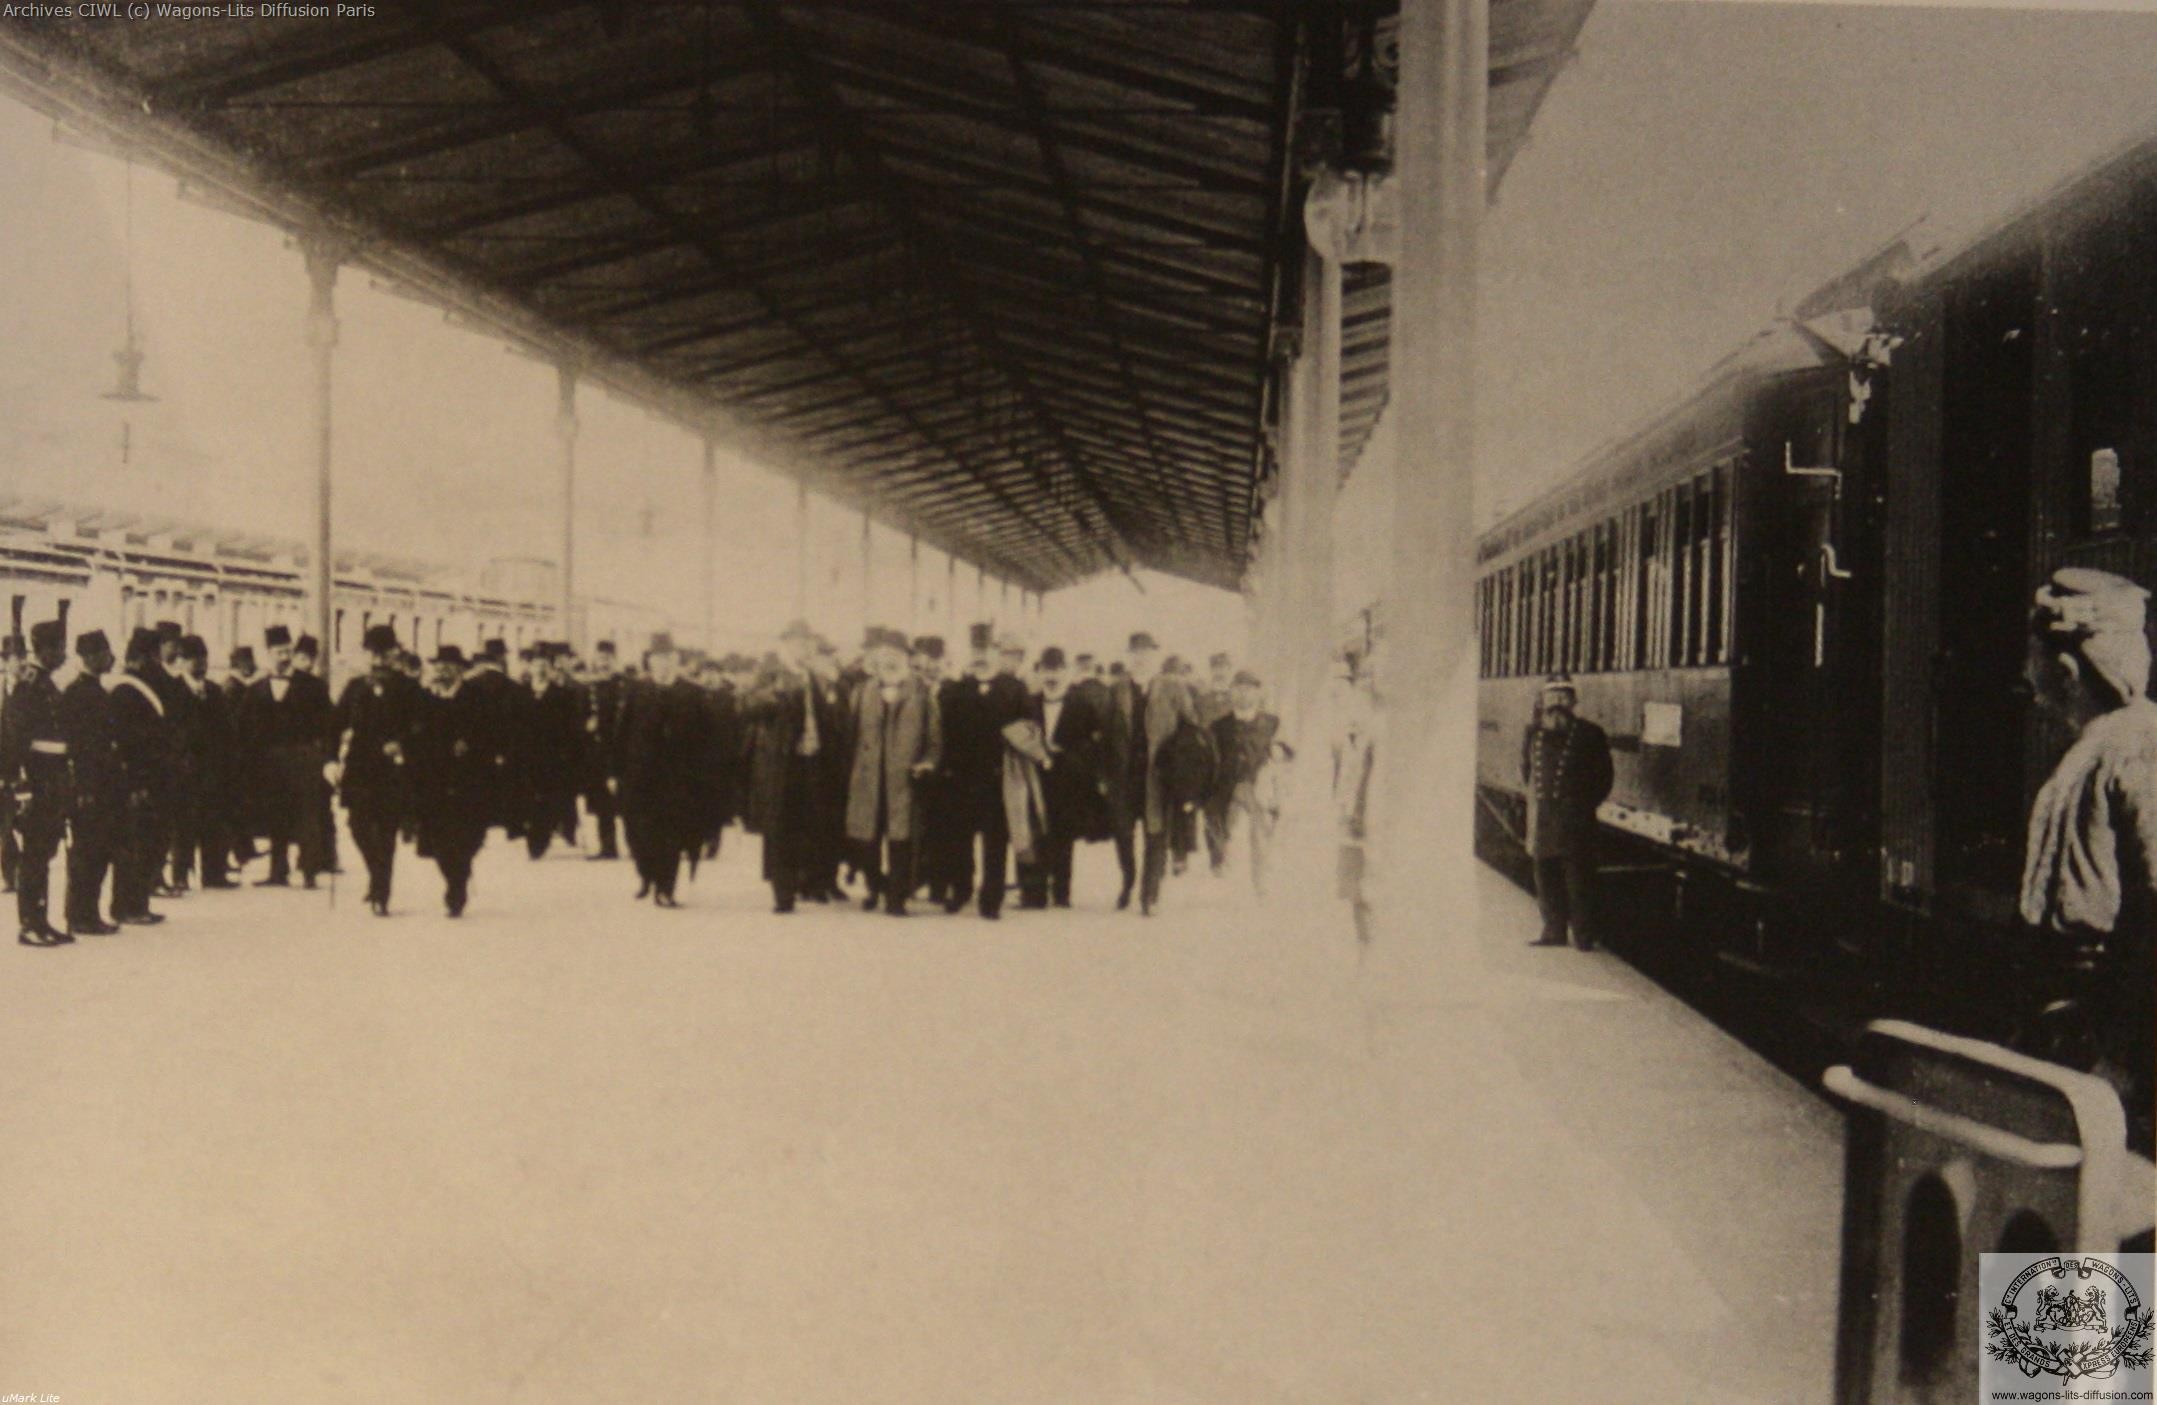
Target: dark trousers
pixel 89 854
pixel 135 865
pixel 1565 891
pixel 297 812
pixel 374 834
pixel 10 847
pixel 600 801
pixel 198 831
pixel 656 850
pixel 1216 834
pixel 889 867
pixel 454 847
pixel 1156 866
pixel 1127 856
pixel 34 850
pixel 1048 879
pixel 790 843
pixel 984 821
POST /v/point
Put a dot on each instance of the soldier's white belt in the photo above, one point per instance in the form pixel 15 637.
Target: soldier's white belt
pixel 49 748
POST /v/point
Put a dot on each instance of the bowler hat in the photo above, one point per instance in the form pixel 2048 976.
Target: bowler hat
pixel 277 637
pixel 930 646
pixel 1052 657
pixel 449 653
pixel 496 648
pixel 1143 640
pixel 379 639
pixel 604 646
pixel 51 634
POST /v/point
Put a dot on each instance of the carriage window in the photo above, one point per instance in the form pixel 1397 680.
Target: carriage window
pixel 1718 565
pixel 1644 574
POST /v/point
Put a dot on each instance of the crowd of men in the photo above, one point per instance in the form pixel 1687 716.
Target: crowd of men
pixel 877 771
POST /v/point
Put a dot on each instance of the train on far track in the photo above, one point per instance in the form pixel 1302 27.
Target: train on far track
pixel 1798 600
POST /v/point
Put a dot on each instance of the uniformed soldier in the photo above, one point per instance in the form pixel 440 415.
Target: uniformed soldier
pixel 34 768
pixel 173 795
pixel 144 750
pixel 379 719
pixel 100 787
pixel 1565 765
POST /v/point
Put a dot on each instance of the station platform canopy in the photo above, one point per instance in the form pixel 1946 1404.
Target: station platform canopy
pixel 1003 273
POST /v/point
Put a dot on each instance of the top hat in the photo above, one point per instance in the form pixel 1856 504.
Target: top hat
pixel 662 643
pixel 980 636
pixel 379 639
pixel 141 642
pixel 194 646
pixel 50 634
pixel 496 648
pixel 277 637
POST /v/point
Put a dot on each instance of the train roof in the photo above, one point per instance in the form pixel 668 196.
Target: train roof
pixel 1783 348
pixel 2086 195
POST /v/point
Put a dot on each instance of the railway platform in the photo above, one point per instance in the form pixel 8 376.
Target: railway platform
pixel 574 1147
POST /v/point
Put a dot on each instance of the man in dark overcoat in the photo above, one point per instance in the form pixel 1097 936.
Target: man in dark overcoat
pixel 284 726
pixel 1071 728
pixel 202 729
pixel 1565 766
pixel 793 719
pixel 34 768
pixel 602 745
pixel 376 743
pixel 666 748
pixel 458 751
pixel 241 798
pixel 553 741
pixel 989 698
pixel 501 699
pixel 99 809
pixel 143 747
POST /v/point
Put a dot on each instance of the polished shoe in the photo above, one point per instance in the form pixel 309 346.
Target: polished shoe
pixel 1060 902
pixel 43 936
pixel 140 919
pixel 897 909
pixel 92 928
pixel 644 890
pixel 952 905
pixel 782 907
pixel 379 906
pixel 868 904
pixel 273 881
pixel 664 900
pixel 1123 900
pixel 309 881
pixel 992 914
pixel 1585 945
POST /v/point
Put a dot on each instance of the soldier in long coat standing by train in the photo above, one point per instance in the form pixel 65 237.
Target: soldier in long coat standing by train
pixel 34 767
pixel 665 770
pixel 284 725
pixel 1565 765
pixel 376 738
pixel 456 781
